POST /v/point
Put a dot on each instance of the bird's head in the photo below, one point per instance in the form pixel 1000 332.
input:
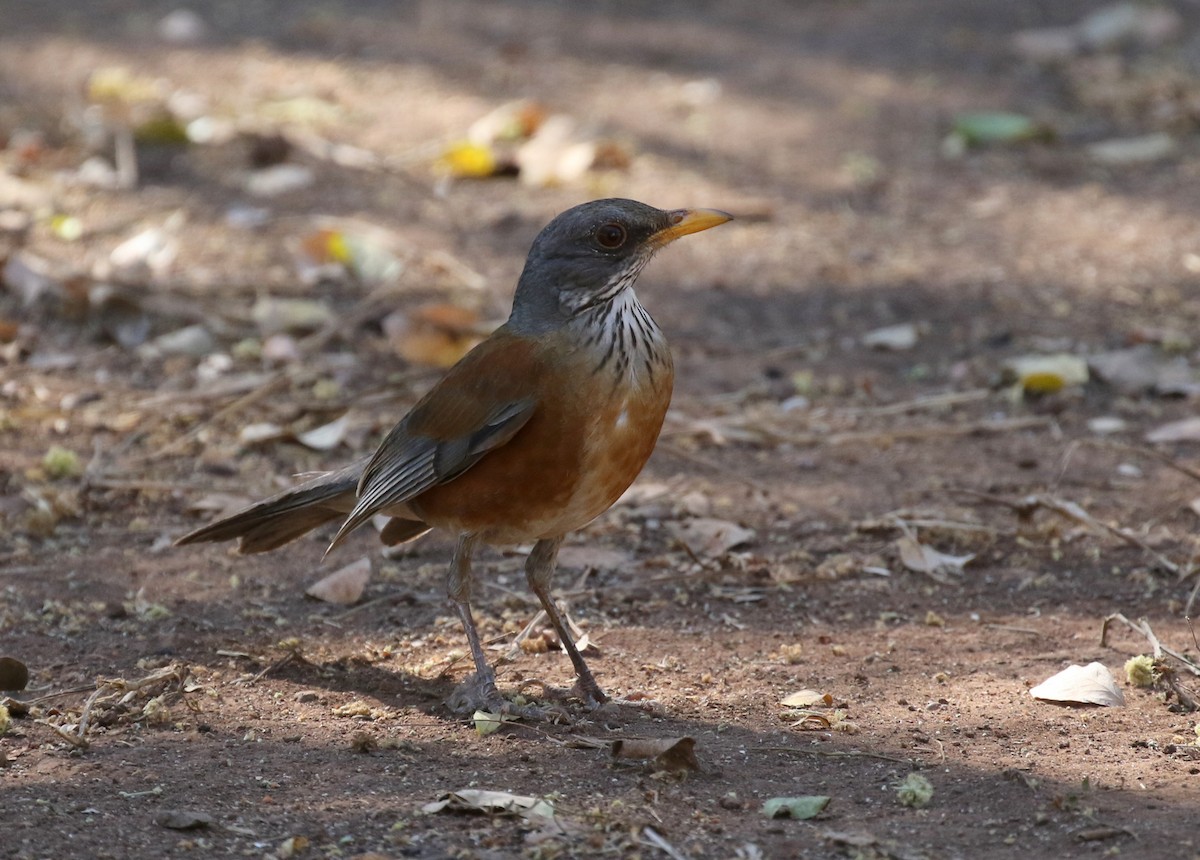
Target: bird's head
pixel 589 254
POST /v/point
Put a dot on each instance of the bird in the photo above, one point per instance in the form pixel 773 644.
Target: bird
pixel 534 433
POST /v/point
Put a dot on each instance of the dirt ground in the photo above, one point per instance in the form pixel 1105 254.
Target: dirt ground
pixel 236 716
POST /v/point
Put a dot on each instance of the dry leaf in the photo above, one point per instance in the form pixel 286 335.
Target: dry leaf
pixel 153 248
pixel 1045 374
pixel 920 558
pixel 437 335
pixel 517 120
pixel 14 675
pixel 484 800
pixel 273 315
pixel 183 819
pixel 327 436
pixel 554 155
pixel 1184 430
pixel 894 338
pixel 800 808
pixel 711 537
pixel 1092 684
pixel 669 754
pixel 807 699
pixel 264 431
pixel 345 585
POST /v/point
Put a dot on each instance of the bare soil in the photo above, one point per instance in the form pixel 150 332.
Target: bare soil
pixel 287 727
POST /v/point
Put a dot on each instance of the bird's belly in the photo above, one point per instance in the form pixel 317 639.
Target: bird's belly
pixel 556 475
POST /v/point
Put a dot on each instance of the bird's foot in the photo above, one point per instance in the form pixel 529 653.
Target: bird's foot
pixel 479 693
pixel 588 692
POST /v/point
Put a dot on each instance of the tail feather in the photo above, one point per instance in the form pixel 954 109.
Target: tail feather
pixel 286 516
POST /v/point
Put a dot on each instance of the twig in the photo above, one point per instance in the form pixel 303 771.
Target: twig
pixel 73 739
pixel 1025 507
pixel 1145 451
pixel 839 754
pixel 1143 627
pixel 931 401
pixel 1026 630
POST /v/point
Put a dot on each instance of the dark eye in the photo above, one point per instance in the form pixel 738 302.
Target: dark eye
pixel 611 236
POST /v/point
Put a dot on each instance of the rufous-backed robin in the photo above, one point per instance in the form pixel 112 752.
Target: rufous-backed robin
pixel 533 434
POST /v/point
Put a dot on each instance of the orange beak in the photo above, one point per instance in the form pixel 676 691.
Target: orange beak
pixel 684 221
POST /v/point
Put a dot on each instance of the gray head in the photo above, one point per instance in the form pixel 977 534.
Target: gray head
pixel 589 254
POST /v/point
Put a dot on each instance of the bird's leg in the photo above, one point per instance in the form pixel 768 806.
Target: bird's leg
pixel 479 691
pixel 539 571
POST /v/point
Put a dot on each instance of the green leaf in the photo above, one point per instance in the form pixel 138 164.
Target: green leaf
pixel 996 127
pixel 800 808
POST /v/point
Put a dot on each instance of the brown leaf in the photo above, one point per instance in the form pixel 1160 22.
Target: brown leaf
pixel 712 537
pixel 918 557
pixel 669 754
pixel 436 335
pixel 14 675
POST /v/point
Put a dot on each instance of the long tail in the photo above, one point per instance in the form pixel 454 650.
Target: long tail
pixel 286 516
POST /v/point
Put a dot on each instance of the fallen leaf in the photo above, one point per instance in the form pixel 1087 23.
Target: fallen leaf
pixel 154 249
pixel 1046 44
pixel 1143 149
pixel 669 754
pixel 273 315
pixel 1045 374
pixel 711 537
pixel 554 155
pixel 807 699
pixel 991 127
pixel 1106 425
pixel 263 431
pixel 14 675
pixel 278 179
pixel 183 819
pixel 1184 430
pixel 921 558
pixel 436 335
pixel 895 338
pixel 487 722
pixel 800 808
pixel 193 340
pixel 467 160
pixel 1092 684
pixel 327 436
pixel 486 800
pixel 345 585
pixel 1119 23
pixel 516 120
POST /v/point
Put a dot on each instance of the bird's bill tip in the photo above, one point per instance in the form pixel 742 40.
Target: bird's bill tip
pixel 681 222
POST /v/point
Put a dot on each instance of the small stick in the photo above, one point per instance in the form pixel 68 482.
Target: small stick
pixel 933 401
pixel 839 754
pixel 74 740
pixel 1026 630
pixel 1143 626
